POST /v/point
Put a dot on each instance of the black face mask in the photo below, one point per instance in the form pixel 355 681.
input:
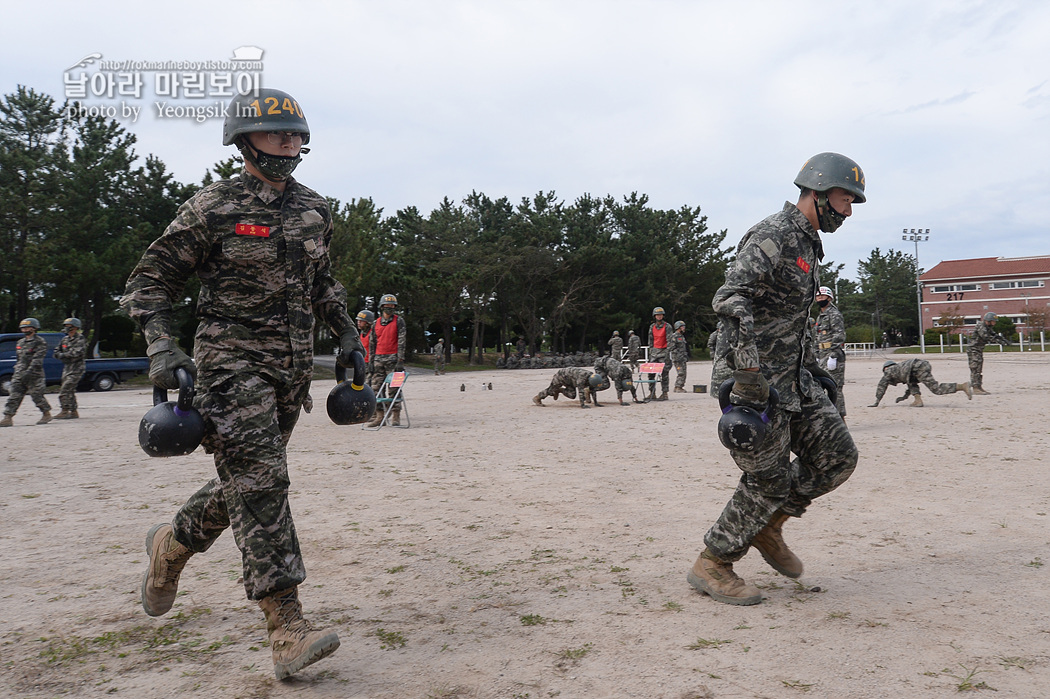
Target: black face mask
pixel 823 304
pixel 276 168
pixel 828 219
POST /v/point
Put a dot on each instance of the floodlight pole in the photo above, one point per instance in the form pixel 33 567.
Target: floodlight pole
pixel 917 234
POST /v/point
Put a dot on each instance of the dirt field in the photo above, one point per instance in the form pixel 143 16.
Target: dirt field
pixel 497 549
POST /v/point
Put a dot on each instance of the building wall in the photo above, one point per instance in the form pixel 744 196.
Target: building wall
pixel 971 298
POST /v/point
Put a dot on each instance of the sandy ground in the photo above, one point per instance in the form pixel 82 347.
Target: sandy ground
pixel 497 549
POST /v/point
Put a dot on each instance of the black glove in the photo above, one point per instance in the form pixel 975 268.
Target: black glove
pixel 874 405
pixel 750 388
pixel 349 342
pixel 164 358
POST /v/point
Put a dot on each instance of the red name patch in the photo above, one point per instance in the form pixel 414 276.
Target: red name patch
pixel 261 231
pixel 803 265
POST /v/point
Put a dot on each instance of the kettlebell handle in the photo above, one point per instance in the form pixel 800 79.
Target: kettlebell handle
pixel 358 381
pixel 727 387
pixel 186 393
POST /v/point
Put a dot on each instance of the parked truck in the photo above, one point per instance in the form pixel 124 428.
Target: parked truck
pixel 100 374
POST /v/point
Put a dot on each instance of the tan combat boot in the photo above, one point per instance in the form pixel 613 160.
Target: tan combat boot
pixel 770 543
pixel 294 640
pixel 536 400
pixel 62 415
pixel 916 401
pixel 7 421
pixel 45 418
pixel 715 577
pixel 965 388
pixel 663 396
pixel 978 391
pixel 679 389
pixel 73 415
pixel 167 558
pixel 395 416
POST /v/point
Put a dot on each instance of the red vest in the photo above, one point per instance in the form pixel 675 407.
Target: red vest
pixel 366 340
pixel 386 337
pixel 660 336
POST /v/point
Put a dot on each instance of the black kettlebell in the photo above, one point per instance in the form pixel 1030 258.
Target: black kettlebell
pixel 829 386
pixel 741 427
pixel 351 402
pixel 172 428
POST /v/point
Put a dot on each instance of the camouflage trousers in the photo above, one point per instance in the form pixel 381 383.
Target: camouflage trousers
pixel 975 358
pixel 924 375
pixel 772 480
pixel 249 417
pixel 679 379
pixel 439 363
pixel 632 359
pixel 839 374
pixel 383 364
pixel 67 394
pixel 32 384
pixel 660 355
pixel 566 384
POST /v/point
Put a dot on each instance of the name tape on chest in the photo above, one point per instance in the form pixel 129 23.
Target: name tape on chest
pixel 249 229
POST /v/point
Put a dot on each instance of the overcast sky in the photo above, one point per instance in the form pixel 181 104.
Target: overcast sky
pixel 944 103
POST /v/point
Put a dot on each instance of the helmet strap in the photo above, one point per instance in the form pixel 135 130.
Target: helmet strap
pixel 828 219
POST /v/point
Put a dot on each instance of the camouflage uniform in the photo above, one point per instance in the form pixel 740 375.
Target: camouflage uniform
pixel 28 375
pixel 679 348
pixel 719 346
pixel 619 375
pixel 71 350
pixel 661 354
pixel 831 337
pixel 262 259
pixel 634 350
pixel 571 382
pixel 764 307
pixel 616 347
pixel 912 372
pixel 439 357
pixel 383 364
pixel 982 335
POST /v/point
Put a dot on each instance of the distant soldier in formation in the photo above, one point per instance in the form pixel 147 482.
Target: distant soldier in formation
pixel 619 375
pixel 679 355
pixel 71 351
pixel 982 335
pixel 634 349
pixel 912 372
pixel 659 341
pixel 616 345
pixel 439 357
pixel 365 319
pixel 831 341
pixel 572 382
pixel 28 376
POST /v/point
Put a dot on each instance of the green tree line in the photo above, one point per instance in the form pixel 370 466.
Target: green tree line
pixel 78 207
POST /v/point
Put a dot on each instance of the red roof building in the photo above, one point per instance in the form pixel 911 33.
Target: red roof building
pixel 1006 286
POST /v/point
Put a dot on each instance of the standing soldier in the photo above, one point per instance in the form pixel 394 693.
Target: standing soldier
pixel 764 306
pixel 634 349
pixel 831 341
pixel 28 376
pixel 616 346
pixel 71 351
pixel 439 357
pixel 659 341
pixel 982 335
pixel 259 244
pixel 387 352
pixel 679 355
pixel 912 372
pixel 619 375
pixel 365 319
pixel 572 382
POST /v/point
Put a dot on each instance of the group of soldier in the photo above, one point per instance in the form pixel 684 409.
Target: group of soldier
pixel 384 349
pixel 28 376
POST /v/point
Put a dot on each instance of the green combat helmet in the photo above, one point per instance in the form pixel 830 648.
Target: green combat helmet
pixel 659 310
pixel 826 170
pixel 29 323
pixel 679 324
pixel 269 110
pixel 75 322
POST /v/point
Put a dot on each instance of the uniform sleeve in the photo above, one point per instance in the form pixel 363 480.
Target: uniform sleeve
pixel 37 365
pixel 158 279
pixel 402 338
pixel 838 330
pixel 328 296
pixel 881 390
pixel 733 302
